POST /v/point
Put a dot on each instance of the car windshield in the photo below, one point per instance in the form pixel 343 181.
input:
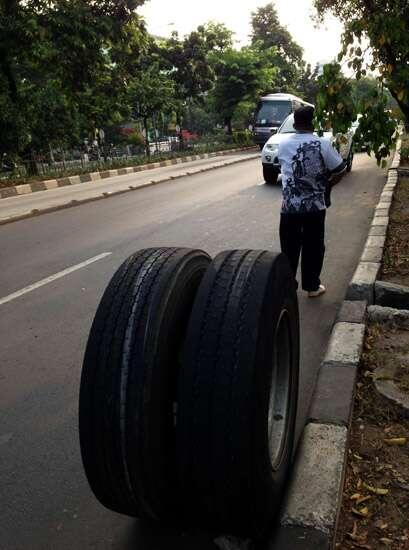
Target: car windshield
pixel 288 126
pixel 272 112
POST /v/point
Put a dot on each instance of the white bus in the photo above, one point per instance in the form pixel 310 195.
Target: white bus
pixel 271 111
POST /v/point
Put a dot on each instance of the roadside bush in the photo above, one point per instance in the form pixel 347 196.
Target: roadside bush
pixel 242 137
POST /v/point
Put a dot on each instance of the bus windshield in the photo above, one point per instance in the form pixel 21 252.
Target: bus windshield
pixel 272 113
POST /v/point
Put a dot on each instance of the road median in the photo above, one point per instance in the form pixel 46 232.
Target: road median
pixel 20 211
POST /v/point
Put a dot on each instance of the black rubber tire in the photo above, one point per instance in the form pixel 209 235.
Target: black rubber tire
pixel 227 481
pixel 270 176
pixel 129 381
pixel 350 160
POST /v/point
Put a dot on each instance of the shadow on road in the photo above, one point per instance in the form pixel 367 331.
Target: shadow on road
pixel 144 536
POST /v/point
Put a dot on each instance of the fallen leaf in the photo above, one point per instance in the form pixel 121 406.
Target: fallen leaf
pixel 396 441
pixel 376 490
pixel 363 512
pixel 355 496
pixel 354 535
pixel 362 499
pixel 386 541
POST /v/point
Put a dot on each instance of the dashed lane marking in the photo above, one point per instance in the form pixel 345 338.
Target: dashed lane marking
pixel 52 278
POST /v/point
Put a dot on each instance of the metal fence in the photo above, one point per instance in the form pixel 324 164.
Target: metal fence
pixel 58 162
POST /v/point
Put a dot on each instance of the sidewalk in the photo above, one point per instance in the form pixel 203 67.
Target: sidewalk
pixel 23 206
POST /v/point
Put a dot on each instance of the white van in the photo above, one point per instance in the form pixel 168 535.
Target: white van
pixel 271 112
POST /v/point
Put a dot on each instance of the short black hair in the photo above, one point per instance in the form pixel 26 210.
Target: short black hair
pixel 304 116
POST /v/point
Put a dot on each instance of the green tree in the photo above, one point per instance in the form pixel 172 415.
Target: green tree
pixel 188 62
pixel 150 93
pixel 58 77
pixel 385 25
pixel 337 106
pixel 267 32
pixel 307 85
pixel 241 75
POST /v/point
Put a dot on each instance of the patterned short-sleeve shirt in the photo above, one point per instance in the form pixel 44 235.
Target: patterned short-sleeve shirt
pixel 306 161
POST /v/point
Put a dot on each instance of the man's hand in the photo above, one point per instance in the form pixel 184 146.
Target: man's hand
pixel 337 174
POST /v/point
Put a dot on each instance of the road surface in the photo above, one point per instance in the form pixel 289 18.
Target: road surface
pixel 44 498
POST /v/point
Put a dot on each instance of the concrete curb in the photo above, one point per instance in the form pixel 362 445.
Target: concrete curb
pixel 105 195
pixel 312 501
pixel 24 189
pixel 362 285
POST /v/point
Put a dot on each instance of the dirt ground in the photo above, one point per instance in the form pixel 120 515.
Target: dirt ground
pixel 396 257
pixel 375 508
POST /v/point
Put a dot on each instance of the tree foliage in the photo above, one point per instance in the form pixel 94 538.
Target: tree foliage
pixel 384 24
pixel 337 106
pixel 241 75
pixel 267 33
pixel 57 77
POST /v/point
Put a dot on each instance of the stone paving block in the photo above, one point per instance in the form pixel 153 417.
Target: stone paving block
pixel 383 314
pixel 362 284
pixel 38 186
pixel 74 180
pixel 299 538
pixel 7 192
pixel 391 295
pixel 51 184
pixel 375 241
pixel 312 499
pixel 372 254
pixel 383 220
pixel 334 395
pixel 95 176
pixel 23 189
pixel 383 205
pixel 381 212
pixel 352 312
pixel 378 231
pixel 345 345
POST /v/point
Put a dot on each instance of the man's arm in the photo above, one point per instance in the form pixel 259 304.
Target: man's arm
pixel 337 173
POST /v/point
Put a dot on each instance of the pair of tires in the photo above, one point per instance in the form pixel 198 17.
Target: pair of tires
pixel 189 389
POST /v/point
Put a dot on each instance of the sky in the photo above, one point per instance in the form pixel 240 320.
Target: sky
pixel 320 45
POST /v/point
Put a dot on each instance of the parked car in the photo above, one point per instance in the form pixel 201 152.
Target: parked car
pixel 269 158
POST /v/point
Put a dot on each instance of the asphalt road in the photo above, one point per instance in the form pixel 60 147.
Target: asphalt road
pixel 45 502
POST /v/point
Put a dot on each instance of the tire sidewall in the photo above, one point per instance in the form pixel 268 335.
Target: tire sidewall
pixel 269 483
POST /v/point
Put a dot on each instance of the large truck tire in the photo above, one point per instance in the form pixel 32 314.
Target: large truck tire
pixel 238 391
pixel 129 381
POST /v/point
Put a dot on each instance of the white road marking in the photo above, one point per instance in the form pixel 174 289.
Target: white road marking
pixel 52 278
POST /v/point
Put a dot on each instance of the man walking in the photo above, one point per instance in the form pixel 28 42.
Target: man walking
pixel 307 162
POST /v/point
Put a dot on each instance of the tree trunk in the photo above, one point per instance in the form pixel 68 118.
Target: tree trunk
pixel 227 124
pixel 404 107
pixel 32 164
pixel 147 147
pixel 179 124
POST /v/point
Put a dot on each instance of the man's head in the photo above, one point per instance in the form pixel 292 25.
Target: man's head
pixel 303 119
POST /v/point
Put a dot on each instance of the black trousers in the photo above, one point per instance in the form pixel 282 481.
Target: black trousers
pixel 304 233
